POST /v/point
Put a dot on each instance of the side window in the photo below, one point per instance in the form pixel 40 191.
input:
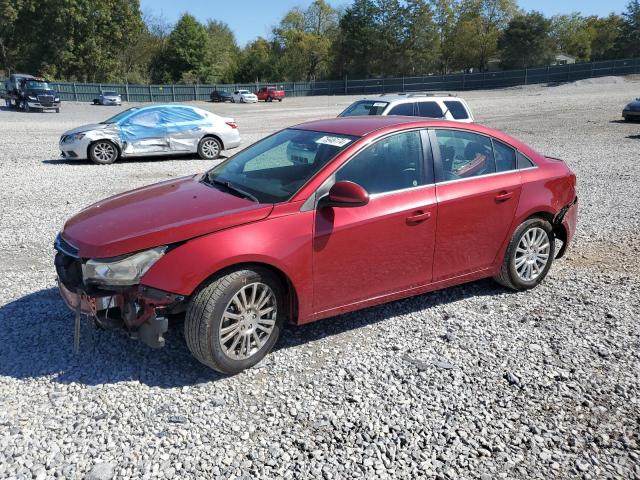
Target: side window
pixel 146 119
pixel 393 163
pixel 505 156
pixel 429 109
pixel 464 155
pixel 402 109
pixel 456 109
pixel 524 162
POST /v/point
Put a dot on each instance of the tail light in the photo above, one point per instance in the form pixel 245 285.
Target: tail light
pixel 232 124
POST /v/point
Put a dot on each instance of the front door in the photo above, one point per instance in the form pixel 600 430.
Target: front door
pixel 478 191
pixel 145 133
pixel 387 245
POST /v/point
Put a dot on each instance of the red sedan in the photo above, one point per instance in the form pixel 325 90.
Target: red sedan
pixel 315 220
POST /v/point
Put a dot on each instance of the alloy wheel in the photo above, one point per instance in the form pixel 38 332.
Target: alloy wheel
pixel 248 321
pixel 532 254
pixel 104 152
pixel 210 148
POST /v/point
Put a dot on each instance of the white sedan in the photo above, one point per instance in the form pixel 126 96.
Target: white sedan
pixel 244 96
pixel 152 130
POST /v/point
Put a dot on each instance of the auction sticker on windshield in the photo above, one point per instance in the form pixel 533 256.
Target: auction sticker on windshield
pixel 333 141
pixel 380 104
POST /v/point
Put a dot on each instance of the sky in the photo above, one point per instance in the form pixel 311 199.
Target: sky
pixel 252 18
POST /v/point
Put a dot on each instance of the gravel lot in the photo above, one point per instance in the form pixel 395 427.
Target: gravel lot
pixel 470 382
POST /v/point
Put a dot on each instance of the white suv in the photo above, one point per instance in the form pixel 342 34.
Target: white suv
pixel 446 107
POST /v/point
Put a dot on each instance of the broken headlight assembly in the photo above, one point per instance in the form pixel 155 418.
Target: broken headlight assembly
pixel 121 271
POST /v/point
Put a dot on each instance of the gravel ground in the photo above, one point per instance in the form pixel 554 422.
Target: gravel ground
pixel 469 382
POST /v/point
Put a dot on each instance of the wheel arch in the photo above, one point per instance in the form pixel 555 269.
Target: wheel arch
pixel 115 144
pixel 213 135
pixel 291 299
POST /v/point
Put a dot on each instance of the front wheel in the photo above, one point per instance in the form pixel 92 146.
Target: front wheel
pixel 209 148
pixel 529 255
pixel 25 106
pixel 103 152
pixel 233 322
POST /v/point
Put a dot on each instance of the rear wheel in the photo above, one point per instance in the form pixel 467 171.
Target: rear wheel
pixel 232 323
pixel 103 152
pixel 209 148
pixel 529 255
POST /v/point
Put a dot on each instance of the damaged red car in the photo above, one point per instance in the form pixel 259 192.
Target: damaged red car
pixel 313 221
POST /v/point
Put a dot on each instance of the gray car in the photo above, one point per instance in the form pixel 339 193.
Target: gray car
pixel 108 98
pixel 150 131
pixel 632 111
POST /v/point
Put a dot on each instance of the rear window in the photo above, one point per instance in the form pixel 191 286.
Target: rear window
pixel 364 107
pixel 405 109
pixel 429 109
pixel 524 162
pixel 457 109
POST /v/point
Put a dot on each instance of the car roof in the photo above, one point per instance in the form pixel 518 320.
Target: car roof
pixel 364 125
pixel 413 97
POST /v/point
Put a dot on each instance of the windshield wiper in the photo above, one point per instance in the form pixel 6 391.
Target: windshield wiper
pixel 232 187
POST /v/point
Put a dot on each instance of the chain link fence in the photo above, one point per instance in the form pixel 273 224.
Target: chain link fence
pixel 86 92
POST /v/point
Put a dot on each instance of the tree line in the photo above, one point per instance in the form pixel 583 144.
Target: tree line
pixel 114 41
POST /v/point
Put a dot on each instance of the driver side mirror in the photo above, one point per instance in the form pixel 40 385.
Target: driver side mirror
pixel 345 194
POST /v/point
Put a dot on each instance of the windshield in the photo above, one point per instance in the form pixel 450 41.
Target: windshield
pixel 110 94
pixel 119 116
pixel 275 168
pixel 36 85
pixel 364 107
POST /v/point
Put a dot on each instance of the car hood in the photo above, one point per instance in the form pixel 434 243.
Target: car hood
pixel 87 128
pixel 160 214
pixel 635 105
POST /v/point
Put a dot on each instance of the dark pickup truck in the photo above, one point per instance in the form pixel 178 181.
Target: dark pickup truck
pixel 27 93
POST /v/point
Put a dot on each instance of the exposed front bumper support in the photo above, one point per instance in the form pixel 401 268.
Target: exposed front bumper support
pixel 139 311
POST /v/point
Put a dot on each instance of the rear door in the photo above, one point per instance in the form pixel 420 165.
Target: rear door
pixel 387 245
pixel 478 189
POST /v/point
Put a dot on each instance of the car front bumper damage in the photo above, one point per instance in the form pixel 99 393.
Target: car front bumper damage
pixel 139 311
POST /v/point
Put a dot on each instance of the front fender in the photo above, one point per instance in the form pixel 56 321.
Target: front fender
pixel 283 243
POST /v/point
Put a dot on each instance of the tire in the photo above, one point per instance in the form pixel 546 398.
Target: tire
pixel 269 99
pixel 237 349
pixel 279 99
pixel 518 270
pixel 25 106
pixel 209 148
pixel 233 100
pixel 103 152
pixel 57 110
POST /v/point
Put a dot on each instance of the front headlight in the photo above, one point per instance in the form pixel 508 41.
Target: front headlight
pixel 57 99
pixel 121 271
pixel 74 137
pixel 33 99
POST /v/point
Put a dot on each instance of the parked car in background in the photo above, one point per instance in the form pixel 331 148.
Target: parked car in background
pixel 447 107
pixel 152 130
pixel 220 96
pixel 244 96
pixel 108 98
pixel 379 208
pixel 632 111
pixel 269 94
pixel 31 93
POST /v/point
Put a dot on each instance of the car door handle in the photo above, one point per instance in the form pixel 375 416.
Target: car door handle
pixel 418 217
pixel 504 196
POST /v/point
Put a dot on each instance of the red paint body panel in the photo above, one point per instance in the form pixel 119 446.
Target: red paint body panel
pixel 160 214
pixel 335 259
pixel 375 247
pixel 473 223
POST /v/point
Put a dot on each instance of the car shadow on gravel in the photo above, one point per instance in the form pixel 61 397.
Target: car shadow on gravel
pixel 160 158
pixel 36 334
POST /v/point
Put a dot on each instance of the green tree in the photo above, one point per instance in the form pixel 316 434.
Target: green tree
pixel 420 45
pixel 356 45
pixel 445 18
pixel 478 29
pixel 223 52
pixel 258 63
pixel 187 57
pixel 572 36
pixel 604 33
pixel 526 41
pixel 628 43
